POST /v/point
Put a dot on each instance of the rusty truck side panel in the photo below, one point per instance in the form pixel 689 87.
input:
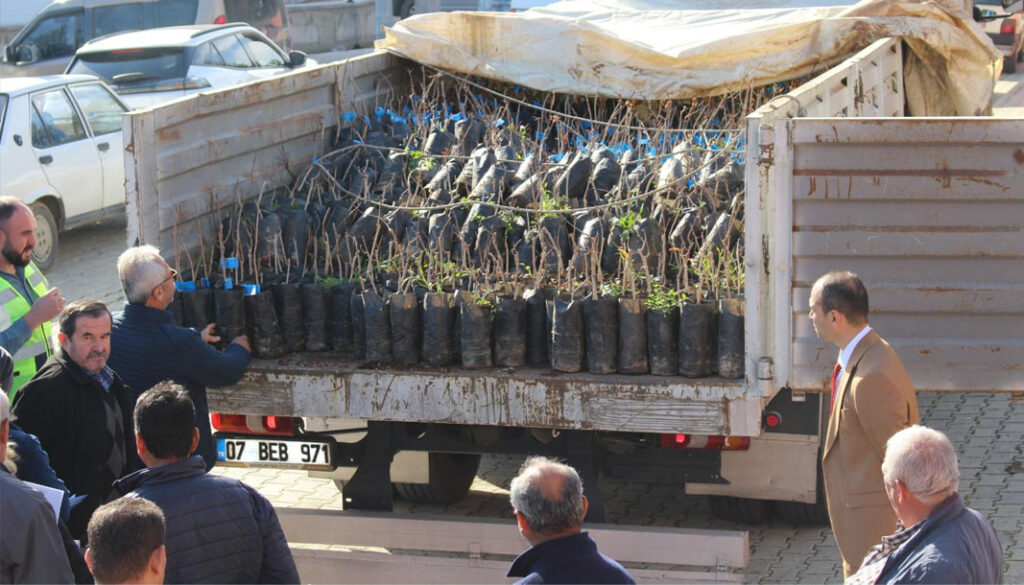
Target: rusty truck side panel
pixel 930 213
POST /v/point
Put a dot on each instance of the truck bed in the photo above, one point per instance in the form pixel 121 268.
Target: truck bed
pixel 325 385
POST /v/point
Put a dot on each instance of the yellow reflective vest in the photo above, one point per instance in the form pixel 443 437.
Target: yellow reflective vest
pixel 32 355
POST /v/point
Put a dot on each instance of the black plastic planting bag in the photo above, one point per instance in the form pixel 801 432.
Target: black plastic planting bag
pixel 405 327
pixel 438 322
pixel 264 332
pixel 378 327
pixel 342 332
pixel 288 303
pixel 601 323
pixel 510 332
pixel 696 327
pixel 295 226
pixel 730 339
pixel 197 307
pixel 460 298
pixel 315 316
pixel 477 327
pixel 589 245
pixel 553 234
pixel 230 308
pixel 663 341
pixel 567 344
pixel 489 249
pixel 538 329
pixel 440 231
pixel 632 336
pixel 573 182
pixel 358 316
pixel 444 178
pixel 685 236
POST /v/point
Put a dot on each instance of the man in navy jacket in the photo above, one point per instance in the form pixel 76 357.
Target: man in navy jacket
pixel 219 530
pixel 147 347
pixel 550 506
pixel 939 539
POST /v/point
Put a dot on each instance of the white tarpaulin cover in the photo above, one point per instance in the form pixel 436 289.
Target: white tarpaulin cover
pixel 675 49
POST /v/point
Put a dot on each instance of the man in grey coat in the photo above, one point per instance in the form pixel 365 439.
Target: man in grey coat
pixel 31 549
pixel 938 539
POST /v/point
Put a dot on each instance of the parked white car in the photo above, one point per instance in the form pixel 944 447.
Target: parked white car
pixel 157 65
pixel 61 152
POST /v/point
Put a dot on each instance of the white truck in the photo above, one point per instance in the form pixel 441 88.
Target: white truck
pixel 927 210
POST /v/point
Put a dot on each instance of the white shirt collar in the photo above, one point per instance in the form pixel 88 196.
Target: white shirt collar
pixel 847 353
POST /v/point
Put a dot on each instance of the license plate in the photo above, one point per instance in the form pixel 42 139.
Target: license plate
pixel 289 454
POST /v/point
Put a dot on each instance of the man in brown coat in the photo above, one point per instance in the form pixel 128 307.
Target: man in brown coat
pixel 872 399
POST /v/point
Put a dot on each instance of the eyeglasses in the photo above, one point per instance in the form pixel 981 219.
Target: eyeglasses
pixel 174 275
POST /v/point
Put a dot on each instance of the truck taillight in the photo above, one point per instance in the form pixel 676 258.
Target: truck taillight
pixel 1006 28
pixel 253 424
pixel 220 20
pixel 706 442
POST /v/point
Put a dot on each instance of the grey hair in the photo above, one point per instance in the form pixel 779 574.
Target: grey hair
pixel 546 512
pixel 923 459
pixel 140 272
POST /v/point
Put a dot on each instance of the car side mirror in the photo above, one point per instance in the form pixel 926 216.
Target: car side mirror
pixel 24 54
pixel 296 58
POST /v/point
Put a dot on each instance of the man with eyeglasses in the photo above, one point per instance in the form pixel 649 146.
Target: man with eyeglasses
pixel 148 348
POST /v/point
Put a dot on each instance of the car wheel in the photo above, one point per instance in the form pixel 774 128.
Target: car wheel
pixel 45 252
pixel 408 9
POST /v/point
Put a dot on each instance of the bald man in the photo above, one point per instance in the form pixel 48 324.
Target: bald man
pixel 548 499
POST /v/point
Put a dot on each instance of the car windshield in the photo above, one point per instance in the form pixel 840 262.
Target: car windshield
pixel 3 111
pixel 133 69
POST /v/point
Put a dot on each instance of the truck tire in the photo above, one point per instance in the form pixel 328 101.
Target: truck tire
pixel 1010 64
pixel 744 510
pixel 45 252
pixel 451 474
pixel 815 514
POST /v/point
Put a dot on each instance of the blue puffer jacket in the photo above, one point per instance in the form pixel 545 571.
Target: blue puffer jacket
pixel 954 545
pixel 219 530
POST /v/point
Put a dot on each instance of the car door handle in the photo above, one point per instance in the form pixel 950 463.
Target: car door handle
pixel 103 146
pixel 46 159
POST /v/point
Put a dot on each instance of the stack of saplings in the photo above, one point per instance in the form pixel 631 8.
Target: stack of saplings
pixel 438 240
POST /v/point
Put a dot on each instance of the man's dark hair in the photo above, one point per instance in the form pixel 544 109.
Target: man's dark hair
pixel 122 536
pixel 843 291
pixel 75 309
pixel 166 419
pixel 8 205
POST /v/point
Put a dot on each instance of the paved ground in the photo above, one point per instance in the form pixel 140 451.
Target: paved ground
pixel 986 428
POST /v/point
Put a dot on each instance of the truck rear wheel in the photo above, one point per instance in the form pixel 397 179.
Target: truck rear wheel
pixel 451 475
pixel 744 510
pixel 815 514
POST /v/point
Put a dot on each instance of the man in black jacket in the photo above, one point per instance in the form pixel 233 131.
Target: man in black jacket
pixel 77 407
pixel 219 530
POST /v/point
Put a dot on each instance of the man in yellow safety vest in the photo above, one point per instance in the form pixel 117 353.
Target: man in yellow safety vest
pixel 27 304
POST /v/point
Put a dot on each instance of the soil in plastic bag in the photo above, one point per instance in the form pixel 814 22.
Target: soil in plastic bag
pixel 510 332
pixel 358 316
pixel 567 339
pixel 196 307
pixel 553 233
pixel 230 309
pixel 405 327
pixel 589 244
pixel 264 332
pixel 601 323
pixel 341 316
pixel 316 317
pixel 573 182
pixel 663 342
pixel 438 322
pixel 730 339
pixel 477 329
pixel 378 327
pixel 538 330
pixel 460 298
pixel 440 232
pixel 490 247
pixel 288 303
pixel 632 336
pixel 695 339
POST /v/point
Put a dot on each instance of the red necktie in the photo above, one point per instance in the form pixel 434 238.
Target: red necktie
pixel 835 380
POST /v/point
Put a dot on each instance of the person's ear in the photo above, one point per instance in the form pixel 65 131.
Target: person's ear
pixel 158 560
pixel 140 445
pixel 586 506
pixel 64 340
pixel 524 527
pixel 195 441
pixel 88 558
